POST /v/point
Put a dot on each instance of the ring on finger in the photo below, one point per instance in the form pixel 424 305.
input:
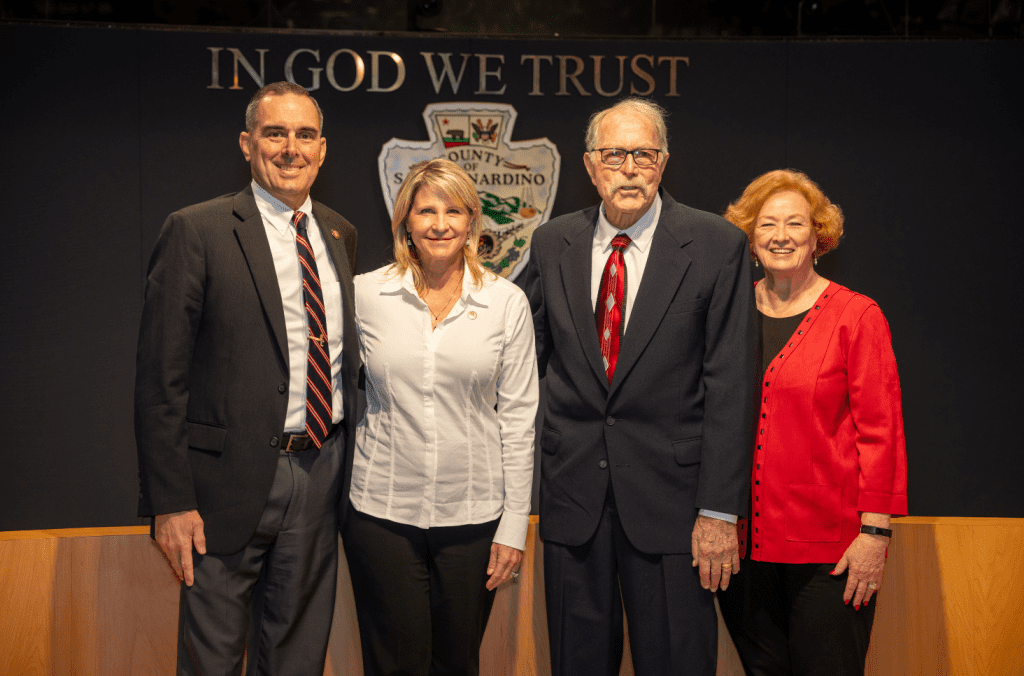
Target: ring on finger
pixel 727 566
pixel 515 576
pixel 872 585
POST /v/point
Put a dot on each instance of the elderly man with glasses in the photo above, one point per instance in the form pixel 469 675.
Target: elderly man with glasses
pixel 644 313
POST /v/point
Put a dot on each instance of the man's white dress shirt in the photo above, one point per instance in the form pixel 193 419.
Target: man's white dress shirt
pixel 448 435
pixel 277 219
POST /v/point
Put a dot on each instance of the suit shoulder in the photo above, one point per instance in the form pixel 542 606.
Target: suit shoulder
pixel 203 210
pixel 712 225
pixel 333 216
pixel 564 225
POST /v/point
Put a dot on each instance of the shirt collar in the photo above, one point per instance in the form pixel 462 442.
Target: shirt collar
pixel 470 292
pixel 640 232
pixel 274 211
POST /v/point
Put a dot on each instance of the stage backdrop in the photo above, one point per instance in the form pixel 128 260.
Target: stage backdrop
pixel 108 130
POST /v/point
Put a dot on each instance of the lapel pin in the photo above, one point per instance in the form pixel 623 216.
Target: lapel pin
pixel 472 314
pixel 335 234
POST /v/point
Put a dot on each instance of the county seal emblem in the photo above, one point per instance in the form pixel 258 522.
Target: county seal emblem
pixel 516 180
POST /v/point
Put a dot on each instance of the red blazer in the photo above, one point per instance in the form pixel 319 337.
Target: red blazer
pixel 829 435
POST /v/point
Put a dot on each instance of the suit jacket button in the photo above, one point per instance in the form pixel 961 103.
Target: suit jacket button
pixel 603 464
pixel 282 388
pixel 610 420
pixel 274 441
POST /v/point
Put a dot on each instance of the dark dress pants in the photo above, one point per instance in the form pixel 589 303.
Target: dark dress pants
pixel 420 595
pixel 789 619
pixel 673 628
pixel 279 590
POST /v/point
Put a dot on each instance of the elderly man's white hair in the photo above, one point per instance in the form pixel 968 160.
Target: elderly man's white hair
pixel 649 109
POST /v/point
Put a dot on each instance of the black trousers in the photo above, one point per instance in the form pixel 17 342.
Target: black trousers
pixel 279 590
pixel 789 619
pixel 673 629
pixel 420 597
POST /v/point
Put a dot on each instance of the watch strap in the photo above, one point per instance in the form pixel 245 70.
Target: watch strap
pixel 875 530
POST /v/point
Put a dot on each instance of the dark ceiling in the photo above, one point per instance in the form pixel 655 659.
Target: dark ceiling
pixel 577 18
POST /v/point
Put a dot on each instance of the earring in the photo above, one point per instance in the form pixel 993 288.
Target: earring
pixel 408 241
pixel 815 260
pixel 757 263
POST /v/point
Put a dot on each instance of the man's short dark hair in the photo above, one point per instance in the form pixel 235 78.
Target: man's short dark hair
pixel 277 89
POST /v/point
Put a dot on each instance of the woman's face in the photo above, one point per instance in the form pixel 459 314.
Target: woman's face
pixel 784 236
pixel 438 227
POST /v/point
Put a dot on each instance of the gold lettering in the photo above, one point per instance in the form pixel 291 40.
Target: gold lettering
pixel 257 78
pixel 289 68
pixel 214 68
pixel 360 70
pixel 672 71
pixel 634 65
pixel 375 71
pixel 536 58
pixel 484 73
pixel 597 75
pixel 446 71
pixel 564 75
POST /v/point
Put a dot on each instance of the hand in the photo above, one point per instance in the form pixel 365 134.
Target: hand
pixel 865 558
pixel 715 548
pixel 176 534
pixel 503 561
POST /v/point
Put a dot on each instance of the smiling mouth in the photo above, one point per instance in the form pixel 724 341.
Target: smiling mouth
pixel 782 251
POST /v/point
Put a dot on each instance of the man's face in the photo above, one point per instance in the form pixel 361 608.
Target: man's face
pixel 627 190
pixel 285 150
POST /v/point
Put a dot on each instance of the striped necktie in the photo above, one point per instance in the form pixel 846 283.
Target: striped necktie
pixel 318 360
pixel 611 304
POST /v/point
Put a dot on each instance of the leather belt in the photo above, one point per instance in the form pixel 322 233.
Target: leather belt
pixel 293 443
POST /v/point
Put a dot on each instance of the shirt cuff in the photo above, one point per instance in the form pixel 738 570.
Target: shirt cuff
pixel 512 529
pixel 721 516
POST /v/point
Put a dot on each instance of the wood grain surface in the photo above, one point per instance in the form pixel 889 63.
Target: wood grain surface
pixel 102 602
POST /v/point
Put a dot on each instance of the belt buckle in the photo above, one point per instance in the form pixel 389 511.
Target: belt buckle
pixel 295 438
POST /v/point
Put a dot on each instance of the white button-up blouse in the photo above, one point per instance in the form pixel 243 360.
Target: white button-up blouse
pixel 448 434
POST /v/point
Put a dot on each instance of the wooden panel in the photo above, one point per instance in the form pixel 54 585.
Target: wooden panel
pixel 952 599
pixel 27 572
pixel 95 602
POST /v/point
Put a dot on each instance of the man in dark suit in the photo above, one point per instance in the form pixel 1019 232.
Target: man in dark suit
pixel 649 419
pixel 245 388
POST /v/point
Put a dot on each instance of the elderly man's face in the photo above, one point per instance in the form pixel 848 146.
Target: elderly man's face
pixel 285 150
pixel 627 190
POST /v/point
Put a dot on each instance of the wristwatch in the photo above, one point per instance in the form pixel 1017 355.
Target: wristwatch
pixel 875 530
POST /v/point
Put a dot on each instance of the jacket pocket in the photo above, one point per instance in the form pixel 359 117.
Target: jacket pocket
pixel 682 307
pixel 813 512
pixel 205 437
pixel 549 440
pixel 687 451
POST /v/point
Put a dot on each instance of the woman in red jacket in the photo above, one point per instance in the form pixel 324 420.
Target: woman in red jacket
pixel 829 463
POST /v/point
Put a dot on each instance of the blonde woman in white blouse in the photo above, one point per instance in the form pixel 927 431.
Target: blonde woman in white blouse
pixel 443 464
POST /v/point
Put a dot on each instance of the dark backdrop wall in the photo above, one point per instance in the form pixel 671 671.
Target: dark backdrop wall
pixel 108 130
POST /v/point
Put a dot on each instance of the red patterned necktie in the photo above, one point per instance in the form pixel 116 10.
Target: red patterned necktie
pixel 611 304
pixel 318 361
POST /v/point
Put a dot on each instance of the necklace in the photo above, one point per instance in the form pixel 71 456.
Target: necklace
pixel 436 316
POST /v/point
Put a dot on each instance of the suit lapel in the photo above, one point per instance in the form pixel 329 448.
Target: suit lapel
pixel 575 267
pixel 666 265
pixel 252 237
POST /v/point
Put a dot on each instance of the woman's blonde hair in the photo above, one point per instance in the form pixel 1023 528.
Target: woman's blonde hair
pixel 826 217
pixel 451 183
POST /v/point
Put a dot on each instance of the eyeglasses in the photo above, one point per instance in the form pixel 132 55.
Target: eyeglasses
pixel 642 157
